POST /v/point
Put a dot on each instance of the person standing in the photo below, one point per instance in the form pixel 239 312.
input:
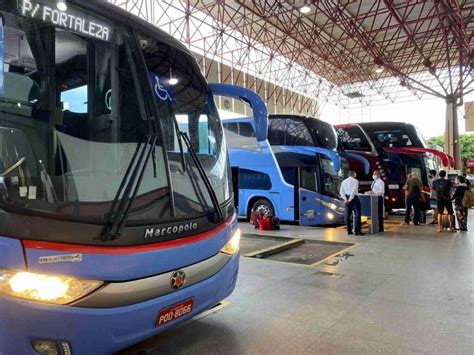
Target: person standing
pixel 413 188
pixel 378 189
pixel 348 191
pixel 431 178
pixel 443 189
pixel 461 211
pixel 468 182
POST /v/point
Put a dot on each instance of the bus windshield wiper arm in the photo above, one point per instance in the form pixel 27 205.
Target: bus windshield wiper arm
pixel 205 178
pixel 117 216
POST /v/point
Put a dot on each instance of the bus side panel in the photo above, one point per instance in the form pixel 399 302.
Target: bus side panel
pixel 310 213
pixel 11 254
pixel 287 210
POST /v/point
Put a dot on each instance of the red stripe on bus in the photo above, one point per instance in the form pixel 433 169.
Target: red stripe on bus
pixel 95 249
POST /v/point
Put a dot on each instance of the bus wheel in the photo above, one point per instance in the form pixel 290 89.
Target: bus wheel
pixel 264 206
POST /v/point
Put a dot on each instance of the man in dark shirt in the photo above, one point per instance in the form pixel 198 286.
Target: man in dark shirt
pixel 443 188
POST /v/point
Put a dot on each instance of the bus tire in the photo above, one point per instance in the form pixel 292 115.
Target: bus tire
pixel 263 205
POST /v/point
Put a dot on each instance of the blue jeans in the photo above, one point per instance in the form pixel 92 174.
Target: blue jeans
pixel 353 207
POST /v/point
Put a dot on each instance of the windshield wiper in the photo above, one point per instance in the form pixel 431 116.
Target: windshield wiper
pixel 204 177
pixel 121 206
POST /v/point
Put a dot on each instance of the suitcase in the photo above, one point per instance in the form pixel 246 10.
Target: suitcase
pixel 445 221
pixel 265 224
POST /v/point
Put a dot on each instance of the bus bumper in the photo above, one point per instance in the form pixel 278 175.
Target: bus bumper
pixel 103 330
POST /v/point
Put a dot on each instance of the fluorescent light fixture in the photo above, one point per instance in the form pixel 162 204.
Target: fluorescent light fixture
pixel 379 69
pixel 305 9
pixel 61 5
pixel 173 81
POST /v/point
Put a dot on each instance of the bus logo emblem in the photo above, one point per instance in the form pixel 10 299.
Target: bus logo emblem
pixel 178 279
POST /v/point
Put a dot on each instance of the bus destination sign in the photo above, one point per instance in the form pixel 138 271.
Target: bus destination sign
pixel 70 18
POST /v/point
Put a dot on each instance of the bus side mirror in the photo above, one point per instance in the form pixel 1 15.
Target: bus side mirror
pixel 260 112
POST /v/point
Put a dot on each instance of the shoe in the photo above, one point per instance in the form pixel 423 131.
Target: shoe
pixel 416 224
pixel 433 222
pixel 360 233
pixel 350 233
pixel 406 223
pixel 439 230
pixel 381 230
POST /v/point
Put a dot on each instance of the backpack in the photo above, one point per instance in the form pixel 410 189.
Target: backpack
pixel 442 189
pixel 468 199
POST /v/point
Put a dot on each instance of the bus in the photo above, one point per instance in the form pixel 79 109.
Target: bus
pixel 115 225
pixel 395 149
pixel 293 175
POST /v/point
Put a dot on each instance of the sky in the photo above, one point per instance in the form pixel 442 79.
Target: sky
pixel 427 114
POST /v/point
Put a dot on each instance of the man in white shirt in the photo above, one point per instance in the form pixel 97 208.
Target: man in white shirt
pixel 348 191
pixel 378 189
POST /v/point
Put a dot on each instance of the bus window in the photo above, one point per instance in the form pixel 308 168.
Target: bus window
pixel 309 178
pixel 241 135
pixel 332 179
pixel 353 138
pixel 78 107
pixel 289 132
pixel 254 180
pixel 75 100
pixel 187 100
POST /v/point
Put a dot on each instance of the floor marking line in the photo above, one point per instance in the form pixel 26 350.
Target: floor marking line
pixel 333 255
pixel 276 248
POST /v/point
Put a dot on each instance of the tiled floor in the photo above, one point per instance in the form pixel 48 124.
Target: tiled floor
pixel 408 291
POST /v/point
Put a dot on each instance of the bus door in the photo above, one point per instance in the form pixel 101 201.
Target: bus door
pixel 306 196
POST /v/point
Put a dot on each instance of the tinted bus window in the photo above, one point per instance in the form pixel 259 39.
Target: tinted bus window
pixel 241 135
pixel 289 132
pixel 309 178
pixel 188 102
pixel 353 138
pixel 394 135
pixel 324 132
pixel 254 180
pixel 76 116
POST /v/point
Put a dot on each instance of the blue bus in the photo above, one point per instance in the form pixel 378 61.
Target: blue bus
pixel 294 175
pixel 115 225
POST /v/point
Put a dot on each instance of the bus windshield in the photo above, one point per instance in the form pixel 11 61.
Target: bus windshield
pixel 393 135
pixel 352 137
pixel 323 132
pixel 74 109
pixel 332 179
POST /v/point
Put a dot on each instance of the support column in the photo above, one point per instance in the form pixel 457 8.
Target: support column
pixel 452 145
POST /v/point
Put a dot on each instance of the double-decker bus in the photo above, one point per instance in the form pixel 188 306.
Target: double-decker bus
pixel 114 224
pixel 294 175
pixel 395 149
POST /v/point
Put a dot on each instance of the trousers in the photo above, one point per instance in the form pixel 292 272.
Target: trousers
pixel 353 208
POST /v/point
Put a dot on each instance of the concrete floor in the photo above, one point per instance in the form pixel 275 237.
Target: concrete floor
pixel 409 291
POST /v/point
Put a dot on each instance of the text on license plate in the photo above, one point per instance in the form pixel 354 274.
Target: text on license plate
pixel 176 311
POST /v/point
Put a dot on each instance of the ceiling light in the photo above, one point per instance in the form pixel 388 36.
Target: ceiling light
pixel 379 69
pixel 61 5
pixel 173 81
pixel 305 9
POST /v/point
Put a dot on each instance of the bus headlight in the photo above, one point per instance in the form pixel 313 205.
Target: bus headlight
pixel 233 244
pixel 45 288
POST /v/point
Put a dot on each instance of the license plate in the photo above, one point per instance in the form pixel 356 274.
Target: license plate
pixel 176 311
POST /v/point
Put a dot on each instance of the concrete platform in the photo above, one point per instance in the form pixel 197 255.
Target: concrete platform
pixel 408 291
